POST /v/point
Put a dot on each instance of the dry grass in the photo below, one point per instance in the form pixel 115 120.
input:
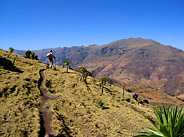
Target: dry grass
pixel 20 97
pixel 76 112
pixel 156 97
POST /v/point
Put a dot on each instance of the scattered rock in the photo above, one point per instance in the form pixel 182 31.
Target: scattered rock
pixel 135 95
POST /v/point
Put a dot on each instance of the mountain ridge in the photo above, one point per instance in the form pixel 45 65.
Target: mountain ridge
pixel 71 107
pixel 130 61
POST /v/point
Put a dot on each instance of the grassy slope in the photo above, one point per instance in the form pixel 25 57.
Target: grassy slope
pixel 76 112
pixel 20 97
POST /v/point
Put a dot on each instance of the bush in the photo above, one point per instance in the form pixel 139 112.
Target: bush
pixel 100 104
pixel 170 123
pixel 128 99
pixel 48 83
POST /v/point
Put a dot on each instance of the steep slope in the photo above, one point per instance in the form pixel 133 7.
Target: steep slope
pixel 146 63
pixel 19 96
pixel 77 107
pixel 131 61
pixel 72 105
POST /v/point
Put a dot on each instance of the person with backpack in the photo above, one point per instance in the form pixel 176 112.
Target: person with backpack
pixel 50 58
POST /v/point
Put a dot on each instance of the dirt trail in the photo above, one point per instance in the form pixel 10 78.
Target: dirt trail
pixel 45 116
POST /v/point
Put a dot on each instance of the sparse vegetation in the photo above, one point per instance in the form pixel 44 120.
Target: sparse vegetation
pixel 100 104
pixel 32 55
pixel 170 123
pixel 19 98
pixel 128 99
pixel 85 75
pixel 123 90
pixel 10 51
pixel 103 82
pixel 78 107
pixel 67 62
pixel 27 54
pixel 14 60
pixel 82 70
pixel 54 67
pixel 74 109
pixel 48 83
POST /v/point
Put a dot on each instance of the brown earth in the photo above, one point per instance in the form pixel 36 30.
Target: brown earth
pixel 45 115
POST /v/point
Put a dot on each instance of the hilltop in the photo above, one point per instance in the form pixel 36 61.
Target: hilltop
pixel 71 105
pixel 133 61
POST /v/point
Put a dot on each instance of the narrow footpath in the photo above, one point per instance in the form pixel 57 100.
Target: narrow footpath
pixel 45 116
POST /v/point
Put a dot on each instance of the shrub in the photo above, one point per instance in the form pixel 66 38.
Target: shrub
pixel 128 99
pixel 48 84
pixel 100 104
pixel 32 55
pixel 170 123
pixel 55 68
pixel 110 92
pixel 27 54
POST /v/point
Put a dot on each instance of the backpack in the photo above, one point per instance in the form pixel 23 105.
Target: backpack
pixel 49 56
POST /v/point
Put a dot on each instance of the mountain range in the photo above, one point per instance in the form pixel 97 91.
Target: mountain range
pixel 136 62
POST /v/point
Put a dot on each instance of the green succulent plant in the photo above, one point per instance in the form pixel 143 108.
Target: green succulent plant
pixel 170 123
pixel 100 104
pixel 32 55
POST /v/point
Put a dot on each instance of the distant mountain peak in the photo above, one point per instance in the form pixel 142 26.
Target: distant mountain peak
pixel 133 60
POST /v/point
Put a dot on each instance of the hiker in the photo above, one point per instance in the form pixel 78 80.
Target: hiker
pixel 50 58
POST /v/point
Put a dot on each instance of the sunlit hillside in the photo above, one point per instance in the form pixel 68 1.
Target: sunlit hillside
pixel 73 107
pixel 80 114
pixel 19 97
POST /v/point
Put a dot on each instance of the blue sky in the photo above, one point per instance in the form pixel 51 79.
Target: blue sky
pixel 38 24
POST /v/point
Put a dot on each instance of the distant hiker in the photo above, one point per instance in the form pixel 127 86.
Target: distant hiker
pixel 50 58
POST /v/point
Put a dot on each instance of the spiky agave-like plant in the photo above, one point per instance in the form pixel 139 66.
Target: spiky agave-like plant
pixel 170 123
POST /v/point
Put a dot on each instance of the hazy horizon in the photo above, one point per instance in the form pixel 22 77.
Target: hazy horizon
pixel 85 45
